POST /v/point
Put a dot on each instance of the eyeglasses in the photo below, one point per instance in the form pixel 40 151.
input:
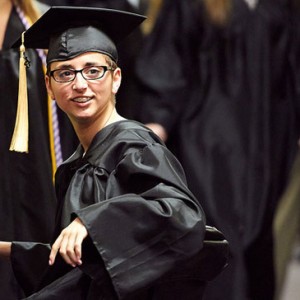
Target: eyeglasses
pixel 88 73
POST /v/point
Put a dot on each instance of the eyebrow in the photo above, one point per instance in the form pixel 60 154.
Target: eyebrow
pixel 70 66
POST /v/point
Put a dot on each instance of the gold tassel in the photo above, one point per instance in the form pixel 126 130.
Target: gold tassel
pixel 19 141
pixel 153 11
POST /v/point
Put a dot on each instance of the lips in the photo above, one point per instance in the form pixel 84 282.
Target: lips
pixel 81 99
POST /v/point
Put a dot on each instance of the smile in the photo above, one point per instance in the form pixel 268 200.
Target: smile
pixel 81 99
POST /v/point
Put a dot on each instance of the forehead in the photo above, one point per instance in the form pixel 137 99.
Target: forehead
pixel 89 58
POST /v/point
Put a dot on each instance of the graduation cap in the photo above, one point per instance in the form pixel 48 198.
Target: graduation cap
pixel 68 32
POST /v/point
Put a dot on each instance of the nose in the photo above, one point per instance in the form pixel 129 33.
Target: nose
pixel 79 83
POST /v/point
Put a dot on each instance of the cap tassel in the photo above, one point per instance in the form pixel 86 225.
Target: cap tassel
pixel 19 141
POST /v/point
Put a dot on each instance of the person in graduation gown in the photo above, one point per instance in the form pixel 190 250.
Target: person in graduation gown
pixel 218 89
pixel 26 180
pixel 126 221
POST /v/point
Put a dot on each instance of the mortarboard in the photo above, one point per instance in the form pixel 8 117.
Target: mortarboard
pixel 68 32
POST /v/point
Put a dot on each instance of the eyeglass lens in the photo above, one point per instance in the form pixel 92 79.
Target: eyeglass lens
pixel 88 73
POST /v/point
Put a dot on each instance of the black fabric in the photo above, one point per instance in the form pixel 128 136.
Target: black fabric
pixel 225 95
pixel 26 188
pixel 37 254
pixel 77 30
pixel 125 166
pixel 91 280
pixel 26 183
pixel 27 206
pixel 144 225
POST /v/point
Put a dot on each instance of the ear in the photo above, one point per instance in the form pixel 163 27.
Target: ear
pixel 48 86
pixel 117 78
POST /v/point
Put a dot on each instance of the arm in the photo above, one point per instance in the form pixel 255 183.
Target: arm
pixel 150 220
pixel 131 195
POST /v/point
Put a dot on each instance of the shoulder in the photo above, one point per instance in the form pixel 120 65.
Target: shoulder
pixel 119 140
pixel 125 132
pixel 115 142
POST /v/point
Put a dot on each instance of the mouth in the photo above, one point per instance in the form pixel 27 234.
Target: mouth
pixel 81 99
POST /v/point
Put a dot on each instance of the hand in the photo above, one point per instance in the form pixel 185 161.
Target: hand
pixel 69 244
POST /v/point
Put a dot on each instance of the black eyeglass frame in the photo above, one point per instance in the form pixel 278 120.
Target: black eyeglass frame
pixel 105 69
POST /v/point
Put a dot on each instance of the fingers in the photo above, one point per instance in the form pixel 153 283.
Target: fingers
pixel 69 244
pixel 77 248
pixel 54 250
pixel 67 250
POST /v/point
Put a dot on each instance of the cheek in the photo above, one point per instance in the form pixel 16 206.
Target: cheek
pixel 49 88
pixel 60 97
pixel 60 94
pixel 104 89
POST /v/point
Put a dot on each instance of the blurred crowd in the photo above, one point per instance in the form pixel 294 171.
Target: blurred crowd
pixel 219 82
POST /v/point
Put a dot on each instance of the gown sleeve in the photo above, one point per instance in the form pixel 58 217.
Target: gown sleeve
pixel 29 261
pixel 149 222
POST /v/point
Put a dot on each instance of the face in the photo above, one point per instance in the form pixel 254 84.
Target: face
pixel 85 101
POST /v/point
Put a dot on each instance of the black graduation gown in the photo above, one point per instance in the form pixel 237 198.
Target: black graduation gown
pixel 26 184
pixel 225 96
pixel 130 192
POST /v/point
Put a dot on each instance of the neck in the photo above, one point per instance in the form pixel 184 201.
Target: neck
pixel 87 133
